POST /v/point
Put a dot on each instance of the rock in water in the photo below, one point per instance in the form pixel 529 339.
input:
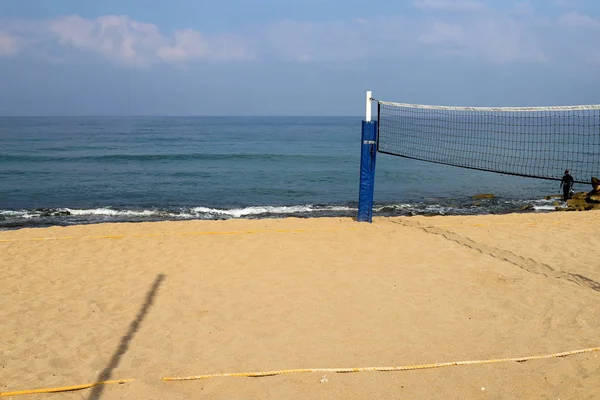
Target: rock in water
pixel 593 197
pixel 484 196
pixel 52 212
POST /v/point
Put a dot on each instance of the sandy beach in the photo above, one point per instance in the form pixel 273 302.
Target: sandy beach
pixel 146 301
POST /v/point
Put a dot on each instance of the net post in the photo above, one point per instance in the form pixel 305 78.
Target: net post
pixel 368 110
pixel 367 165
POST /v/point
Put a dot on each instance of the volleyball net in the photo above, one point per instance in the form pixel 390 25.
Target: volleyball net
pixel 537 142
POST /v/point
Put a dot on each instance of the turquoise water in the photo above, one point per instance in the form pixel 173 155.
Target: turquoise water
pixel 61 171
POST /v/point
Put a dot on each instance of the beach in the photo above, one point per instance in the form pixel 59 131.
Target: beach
pixel 153 300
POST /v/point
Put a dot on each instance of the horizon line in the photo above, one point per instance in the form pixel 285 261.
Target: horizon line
pixel 182 116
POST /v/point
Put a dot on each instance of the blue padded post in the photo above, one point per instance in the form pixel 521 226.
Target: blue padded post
pixel 367 171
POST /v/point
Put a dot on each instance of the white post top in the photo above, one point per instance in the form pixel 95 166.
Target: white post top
pixel 368 113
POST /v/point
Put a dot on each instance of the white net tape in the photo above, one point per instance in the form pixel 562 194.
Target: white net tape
pixel 510 109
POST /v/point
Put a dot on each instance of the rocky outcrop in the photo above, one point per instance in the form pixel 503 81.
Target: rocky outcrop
pixel 583 201
pixel 594 195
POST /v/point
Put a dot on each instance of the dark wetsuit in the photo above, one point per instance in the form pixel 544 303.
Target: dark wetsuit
pixel 567 184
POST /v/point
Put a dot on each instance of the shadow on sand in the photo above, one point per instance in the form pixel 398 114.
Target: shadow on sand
pixel 125 340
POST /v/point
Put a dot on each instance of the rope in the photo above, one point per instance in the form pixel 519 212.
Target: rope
pixel 305 370
pixel 249 232
pixel 63 388
pixel 382 369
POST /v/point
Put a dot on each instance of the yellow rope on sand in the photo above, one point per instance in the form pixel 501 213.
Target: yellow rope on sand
pixel 63 388
pixel 304 370
pixel 402 368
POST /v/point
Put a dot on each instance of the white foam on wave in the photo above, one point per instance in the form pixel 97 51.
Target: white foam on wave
pixel 59 212
pixel 544 208
pixel 111 212
pixel 259 210
pixel 183 213
pixel 255 211
pixel 544 205
pixel 437 209
pixel 535 204
pixel 393 206
pixel 416 208
pixel 15 214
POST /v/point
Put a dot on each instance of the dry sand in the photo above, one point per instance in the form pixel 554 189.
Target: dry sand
pixel 174 299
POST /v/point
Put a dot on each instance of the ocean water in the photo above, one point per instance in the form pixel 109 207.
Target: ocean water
pixel 77 170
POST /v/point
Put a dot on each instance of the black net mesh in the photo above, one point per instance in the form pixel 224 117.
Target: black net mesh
pixel 535 142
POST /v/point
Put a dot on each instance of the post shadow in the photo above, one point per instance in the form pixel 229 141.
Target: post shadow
pixel 125 340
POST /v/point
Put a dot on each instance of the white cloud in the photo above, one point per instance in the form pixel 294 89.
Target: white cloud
pixel 576 20
pixel 191 44
pixel 495 40
pixel 115 37
pixel 9 45
pixel 486 36
pixel 449 5
pixel 128 41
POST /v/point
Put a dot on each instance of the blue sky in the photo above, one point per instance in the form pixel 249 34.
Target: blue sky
pixel 310 57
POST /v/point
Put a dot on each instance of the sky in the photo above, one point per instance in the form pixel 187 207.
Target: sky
pixel 288 57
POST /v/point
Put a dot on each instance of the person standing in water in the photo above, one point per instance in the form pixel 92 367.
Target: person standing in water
pixel 567 184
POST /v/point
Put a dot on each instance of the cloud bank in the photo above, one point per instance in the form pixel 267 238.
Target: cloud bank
pixel 123 40
pixel 467 29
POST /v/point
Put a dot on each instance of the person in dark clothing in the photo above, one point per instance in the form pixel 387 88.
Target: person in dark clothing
pixel 567 184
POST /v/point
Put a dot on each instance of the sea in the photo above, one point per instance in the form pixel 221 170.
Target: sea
pixel 83 170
